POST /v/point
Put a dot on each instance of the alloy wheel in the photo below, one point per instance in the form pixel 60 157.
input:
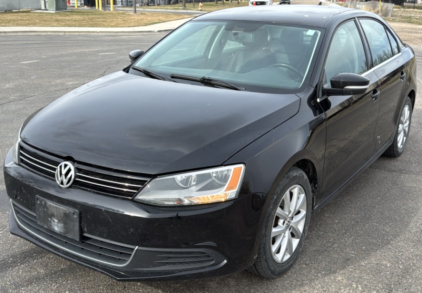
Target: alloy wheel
pixel 403 130
pixel 288 224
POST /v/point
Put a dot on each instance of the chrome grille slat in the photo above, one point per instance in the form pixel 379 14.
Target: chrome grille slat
pixel 38 160
pixel 107 186
pixel 88 177
pixel 109 181
pixel 38 166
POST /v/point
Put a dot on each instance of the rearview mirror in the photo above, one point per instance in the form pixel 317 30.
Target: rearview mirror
pixel 347 84
pixel 135 54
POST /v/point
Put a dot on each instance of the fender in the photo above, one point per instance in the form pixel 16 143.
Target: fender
pixel 278 150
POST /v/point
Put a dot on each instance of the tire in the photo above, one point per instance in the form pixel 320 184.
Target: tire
pixel 402 132
pixel 274 259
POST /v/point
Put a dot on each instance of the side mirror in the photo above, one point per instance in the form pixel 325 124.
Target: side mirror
pixel 135 54
pixel 347 84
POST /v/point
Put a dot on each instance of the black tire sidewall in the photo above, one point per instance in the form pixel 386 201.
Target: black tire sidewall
pixel 294 177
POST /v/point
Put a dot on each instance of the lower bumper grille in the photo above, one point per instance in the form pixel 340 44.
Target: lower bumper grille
pixel 91 248
pixel 184 259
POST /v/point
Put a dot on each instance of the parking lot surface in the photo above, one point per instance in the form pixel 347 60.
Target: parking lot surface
pixel 368 239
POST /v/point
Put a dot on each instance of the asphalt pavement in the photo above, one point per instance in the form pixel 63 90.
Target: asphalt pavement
pixel 368 239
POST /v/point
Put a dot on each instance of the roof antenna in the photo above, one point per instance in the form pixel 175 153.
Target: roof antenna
pixel 320 3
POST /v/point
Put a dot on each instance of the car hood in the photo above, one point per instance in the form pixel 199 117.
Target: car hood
pixel 137 124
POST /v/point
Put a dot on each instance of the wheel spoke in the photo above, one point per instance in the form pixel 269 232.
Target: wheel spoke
pixel 277 244
pixel 283 248
pixel 296 231
pixel 286 199
pixel 281 214
pixel 289 244
pixel 277 231
pixel 400 139
pixel 293 204
pixel 406 127
pixel 299 217
pixel 300 201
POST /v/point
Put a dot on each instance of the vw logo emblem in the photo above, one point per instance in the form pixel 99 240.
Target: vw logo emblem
pixel 65 174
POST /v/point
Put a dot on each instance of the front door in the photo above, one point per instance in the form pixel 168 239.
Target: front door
pixel 350 120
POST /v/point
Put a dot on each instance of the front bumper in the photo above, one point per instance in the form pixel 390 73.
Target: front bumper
pixel 130 241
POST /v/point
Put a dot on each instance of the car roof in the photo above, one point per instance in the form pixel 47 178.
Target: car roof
pixel 301 15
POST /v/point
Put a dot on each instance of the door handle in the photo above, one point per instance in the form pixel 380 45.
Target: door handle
pixel 375 94
pixel 403 75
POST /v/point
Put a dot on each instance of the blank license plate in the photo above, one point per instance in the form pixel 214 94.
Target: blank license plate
pixel 58 218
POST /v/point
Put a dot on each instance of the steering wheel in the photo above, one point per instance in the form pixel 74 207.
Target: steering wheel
pixel 299 74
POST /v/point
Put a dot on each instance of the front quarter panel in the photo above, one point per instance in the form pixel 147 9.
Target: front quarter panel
pixel 268 159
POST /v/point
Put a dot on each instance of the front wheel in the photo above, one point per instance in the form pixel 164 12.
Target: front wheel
pixel 286 225
pixel 402 132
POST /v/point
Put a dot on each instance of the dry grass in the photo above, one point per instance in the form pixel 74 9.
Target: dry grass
pixel 406 15
pixel 80 18
pixel 207 7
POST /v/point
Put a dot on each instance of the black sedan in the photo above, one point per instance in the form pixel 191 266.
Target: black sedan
pixel 209 153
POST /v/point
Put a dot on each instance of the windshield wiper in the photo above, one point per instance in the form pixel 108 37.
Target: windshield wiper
pixel 151 74
pixel 208 81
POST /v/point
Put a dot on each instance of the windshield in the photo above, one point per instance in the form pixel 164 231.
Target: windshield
pixel 254 56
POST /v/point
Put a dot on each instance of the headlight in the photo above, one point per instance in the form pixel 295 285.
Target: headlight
pixel 15 150
pixel 194 188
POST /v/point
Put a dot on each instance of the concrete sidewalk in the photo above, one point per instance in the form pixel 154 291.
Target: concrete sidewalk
pixel 159 27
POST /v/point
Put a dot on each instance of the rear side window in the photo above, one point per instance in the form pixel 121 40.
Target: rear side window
pixel 394 44
pixel 346 53
pixel 378 40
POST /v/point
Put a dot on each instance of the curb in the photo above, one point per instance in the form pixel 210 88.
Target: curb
pixel 10 33
pixel 153 28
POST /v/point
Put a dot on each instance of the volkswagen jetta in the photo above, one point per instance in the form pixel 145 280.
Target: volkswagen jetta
pixel 208 154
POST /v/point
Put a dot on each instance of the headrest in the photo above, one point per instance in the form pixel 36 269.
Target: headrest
pixel 260 38
pixel 292 35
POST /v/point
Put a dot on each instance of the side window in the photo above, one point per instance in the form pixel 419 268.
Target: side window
pixel 346 53
pixel 194 45
pixel 394 44
pixel 377 39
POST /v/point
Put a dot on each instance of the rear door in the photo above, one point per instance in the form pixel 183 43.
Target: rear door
pixel 350 120
pixel 389 66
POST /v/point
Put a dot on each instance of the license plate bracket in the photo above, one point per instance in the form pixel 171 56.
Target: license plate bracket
pixel 58 218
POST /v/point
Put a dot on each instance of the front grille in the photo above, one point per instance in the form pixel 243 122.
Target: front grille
pixel 35 162
pixel 95 249
pixel 260 3
pixel 87 177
